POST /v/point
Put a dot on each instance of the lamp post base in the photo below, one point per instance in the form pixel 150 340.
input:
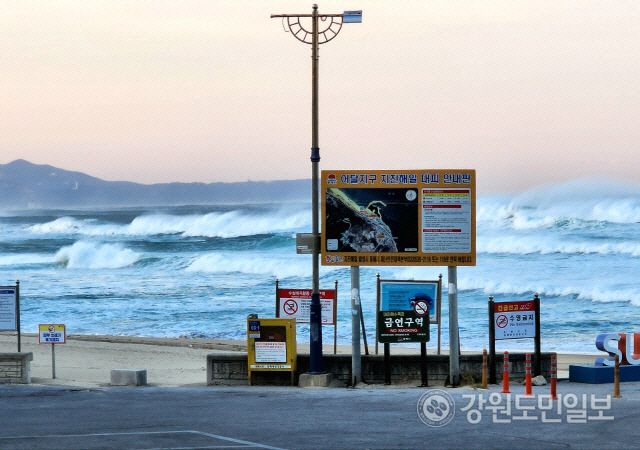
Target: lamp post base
pixel 315 380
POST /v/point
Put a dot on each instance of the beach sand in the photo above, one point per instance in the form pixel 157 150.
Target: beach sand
pixel 86 361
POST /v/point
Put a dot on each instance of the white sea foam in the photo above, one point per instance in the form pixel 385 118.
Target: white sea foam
pixel 545 206
pixel 596 293
pixel 520 245
pixel 252 264
pixel 24 259
pixel 62 225
pixel 224 225
pixel 91 255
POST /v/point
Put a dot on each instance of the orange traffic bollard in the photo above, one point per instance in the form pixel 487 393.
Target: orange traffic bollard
pixel 528 392
pixel 554 375
pixel 505 375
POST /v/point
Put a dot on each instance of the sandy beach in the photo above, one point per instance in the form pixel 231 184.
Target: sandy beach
pixel 87 360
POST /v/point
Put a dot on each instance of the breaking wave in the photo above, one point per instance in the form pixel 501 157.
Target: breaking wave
pixel 90 255
pixel 581 203
pixel 224 225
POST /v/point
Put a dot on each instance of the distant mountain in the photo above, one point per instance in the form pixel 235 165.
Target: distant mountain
pixel 24 185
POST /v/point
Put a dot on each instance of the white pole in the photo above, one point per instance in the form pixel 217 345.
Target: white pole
pixel 356 364
pixel 53 360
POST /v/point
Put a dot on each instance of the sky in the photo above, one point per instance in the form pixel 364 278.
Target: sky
pixel 527 92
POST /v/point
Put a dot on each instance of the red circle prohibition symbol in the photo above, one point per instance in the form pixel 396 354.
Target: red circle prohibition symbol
pixel 421 308
pixel 290 307
pixel 502 321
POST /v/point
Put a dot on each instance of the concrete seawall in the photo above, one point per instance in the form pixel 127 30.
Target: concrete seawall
pixel 15 367
pixel 232 367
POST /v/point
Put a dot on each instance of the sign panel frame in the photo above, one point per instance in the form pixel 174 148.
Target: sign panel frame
pixel 504 324
pixel 52 334
pixel 514 320
pixel 398 218
pixel 8 308
pixel 404 295
pixel 402 326
pixel 296 303
pixel 271 346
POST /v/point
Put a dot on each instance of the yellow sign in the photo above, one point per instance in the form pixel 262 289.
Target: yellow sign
pixel 399 218
pixel 271 346
pixel 52 334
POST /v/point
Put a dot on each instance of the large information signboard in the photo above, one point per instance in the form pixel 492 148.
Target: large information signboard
pixel 395 218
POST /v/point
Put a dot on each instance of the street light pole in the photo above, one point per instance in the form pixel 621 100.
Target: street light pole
pixel 315 37
pixel 315 321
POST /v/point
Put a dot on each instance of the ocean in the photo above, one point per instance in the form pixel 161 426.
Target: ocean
pixel 198 271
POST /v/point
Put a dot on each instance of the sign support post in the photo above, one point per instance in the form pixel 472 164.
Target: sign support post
pixel 52 334
pixel 424 368
pixel 53 361
pixel 492 344
pixel 18 312
pixel 454 337
pixel 335 320
pixel 356 363
pixel 537 366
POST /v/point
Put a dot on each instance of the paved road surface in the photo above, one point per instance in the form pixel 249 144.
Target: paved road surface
pixel 57 417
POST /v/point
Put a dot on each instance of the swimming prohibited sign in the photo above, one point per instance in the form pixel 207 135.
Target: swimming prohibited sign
pixel 514 320
pixel 290 307
pixel 296 304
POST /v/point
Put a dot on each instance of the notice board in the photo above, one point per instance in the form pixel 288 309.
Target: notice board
pixel 396 218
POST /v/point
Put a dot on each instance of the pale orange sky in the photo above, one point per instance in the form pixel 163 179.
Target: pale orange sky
pixel 524 91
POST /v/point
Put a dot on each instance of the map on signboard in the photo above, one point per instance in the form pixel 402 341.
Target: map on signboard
pixel 367 220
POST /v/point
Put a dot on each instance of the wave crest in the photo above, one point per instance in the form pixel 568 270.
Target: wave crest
pixel 223 225
pixel 579 203
pixel 89 255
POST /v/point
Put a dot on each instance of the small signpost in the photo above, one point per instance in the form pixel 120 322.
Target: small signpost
pixel 406 308
pixel 296 304
pixel 10 309
pixel 52 334
pixel 514 320
pixel 424 297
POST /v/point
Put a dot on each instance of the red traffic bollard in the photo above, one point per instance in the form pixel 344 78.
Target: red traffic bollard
pixel 528 392
pixel 505 375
